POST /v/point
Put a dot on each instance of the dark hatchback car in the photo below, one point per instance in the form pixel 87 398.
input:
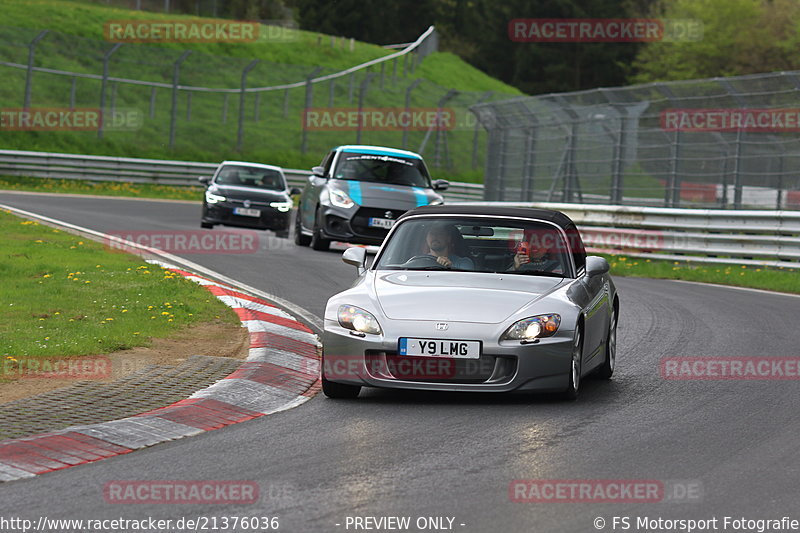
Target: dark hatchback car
pixel 248 195
pixel 358 192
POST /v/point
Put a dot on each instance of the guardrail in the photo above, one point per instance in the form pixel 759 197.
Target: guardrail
pixel 157 171
pixel 758 238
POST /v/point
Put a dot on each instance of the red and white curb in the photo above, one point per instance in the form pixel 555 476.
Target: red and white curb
pixel 281 372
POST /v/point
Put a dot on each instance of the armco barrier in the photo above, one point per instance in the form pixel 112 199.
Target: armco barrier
pixel 158 171
pixel 762 238
pixel 768 238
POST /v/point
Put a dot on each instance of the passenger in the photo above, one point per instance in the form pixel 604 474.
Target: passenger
pixel 533 253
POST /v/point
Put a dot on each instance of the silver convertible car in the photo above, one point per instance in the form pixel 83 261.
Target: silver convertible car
pixel 473 298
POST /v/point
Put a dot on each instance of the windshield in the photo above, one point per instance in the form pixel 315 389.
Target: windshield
pixel 244 176
pixel 395 170
pixel 477 245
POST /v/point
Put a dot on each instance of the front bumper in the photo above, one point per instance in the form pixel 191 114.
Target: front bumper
pixel 270 218
pixel 372 361
pixel 352 225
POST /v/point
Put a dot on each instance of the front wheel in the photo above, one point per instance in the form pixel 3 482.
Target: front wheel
pixel 318 242
pixel 299 238
pixel 576 366
pixel 606 370
pixel 339 391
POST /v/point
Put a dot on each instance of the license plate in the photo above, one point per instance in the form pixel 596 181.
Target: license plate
pixel 246 212
pixel 386 223
pixel 440 348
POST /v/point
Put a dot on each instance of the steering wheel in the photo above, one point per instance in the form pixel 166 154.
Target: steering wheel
pixel 422 261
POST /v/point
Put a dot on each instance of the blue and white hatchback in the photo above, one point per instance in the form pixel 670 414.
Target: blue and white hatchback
pixel 358 192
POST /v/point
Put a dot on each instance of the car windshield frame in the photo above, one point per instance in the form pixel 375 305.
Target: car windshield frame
pixel 519 224
pixel 281 179
pixel 422 180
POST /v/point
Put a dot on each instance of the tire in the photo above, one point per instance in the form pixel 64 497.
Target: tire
pixel 206 225
pixel 339 391
pixel 573 388
pixel 606 370
pixel 299 238
pixel 317 241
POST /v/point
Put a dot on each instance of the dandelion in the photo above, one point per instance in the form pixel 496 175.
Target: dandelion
pixel 46 276
pixel 80 243
pixel 38 241
pixel 109 319
pixel 97 266
pixel 164 313
pixel 87 281
pixel 124 310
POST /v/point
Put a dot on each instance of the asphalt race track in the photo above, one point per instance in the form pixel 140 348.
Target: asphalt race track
pixel 735 443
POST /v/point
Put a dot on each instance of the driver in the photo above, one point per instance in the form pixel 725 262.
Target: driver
pixel 533 253
pixel 443 242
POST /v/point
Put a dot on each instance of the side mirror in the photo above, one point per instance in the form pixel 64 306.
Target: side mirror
pixel 356 256
pixel 294 191
pixel 318 171
pixel 596 265
pixel 204 179
pixel 441 185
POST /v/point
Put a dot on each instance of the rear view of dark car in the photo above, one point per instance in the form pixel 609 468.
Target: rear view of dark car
pixel 248 195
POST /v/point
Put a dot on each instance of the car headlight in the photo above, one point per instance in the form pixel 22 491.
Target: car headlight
pixel 535 327
pixel 355 318
pixel 282 206
pixel 437 201
pixel 340 199
pixel 212 198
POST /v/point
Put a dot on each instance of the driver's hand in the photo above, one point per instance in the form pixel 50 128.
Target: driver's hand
pixel 521 259
pixel 444 261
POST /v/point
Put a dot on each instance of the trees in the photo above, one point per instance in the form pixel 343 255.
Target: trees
pixel 739 37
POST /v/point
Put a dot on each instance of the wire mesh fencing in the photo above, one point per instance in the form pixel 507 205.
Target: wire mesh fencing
pixel 197 103
pixel 717 143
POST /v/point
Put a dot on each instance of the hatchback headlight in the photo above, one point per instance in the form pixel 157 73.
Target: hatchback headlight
pixel 340 199
pixel 212 198
pixel 282 206
pixel 355 318
pixel 535 327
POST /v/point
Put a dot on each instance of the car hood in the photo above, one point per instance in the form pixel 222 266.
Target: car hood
pixel 369 194
pixel 248 193
pixel 458 296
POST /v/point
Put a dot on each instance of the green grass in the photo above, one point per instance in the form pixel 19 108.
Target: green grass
pixel 771 279
pixel 63 296
pixel 275 136
pixel 101 188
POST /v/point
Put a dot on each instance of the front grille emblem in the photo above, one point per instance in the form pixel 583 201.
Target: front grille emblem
pixel 247 203
pixel 388 214
pixel 442 326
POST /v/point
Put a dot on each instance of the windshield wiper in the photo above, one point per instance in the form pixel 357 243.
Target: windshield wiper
pixel 536 273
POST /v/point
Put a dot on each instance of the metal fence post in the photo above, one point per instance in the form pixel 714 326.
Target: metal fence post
pixel 176 71
pixel 240 131
pixel 29 76
pixel 672 191
pixel 410 88
pixel 617 164
pixel 361 93
pixel 103 84
pixel 350 88
pixel 258 105
pixel 485 96
pixel 331 89
pixel 72 89
pixel 308 103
